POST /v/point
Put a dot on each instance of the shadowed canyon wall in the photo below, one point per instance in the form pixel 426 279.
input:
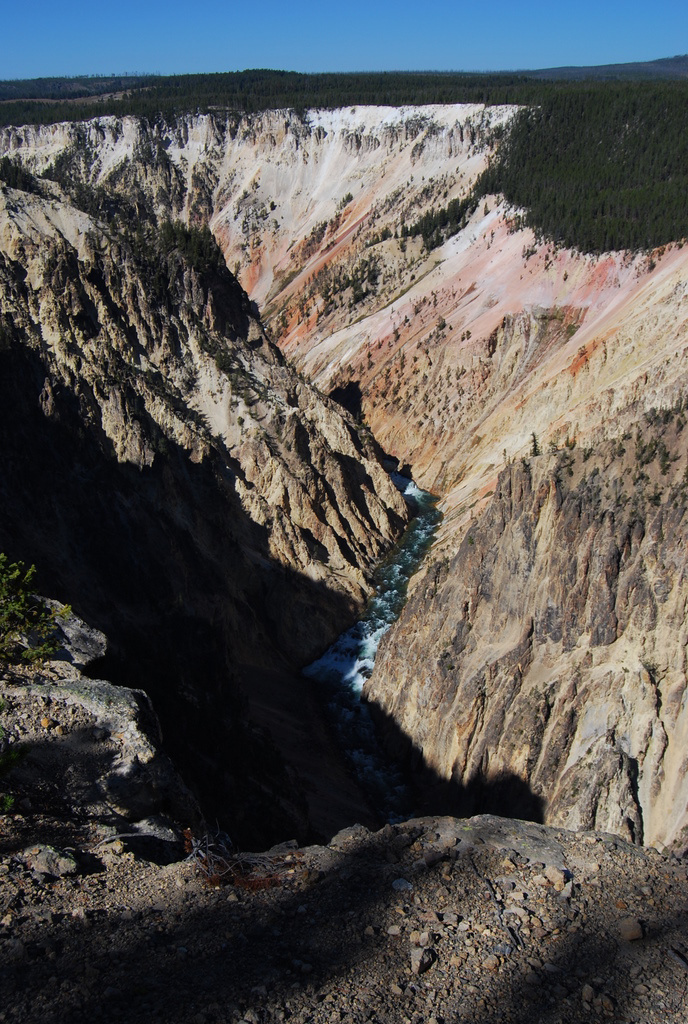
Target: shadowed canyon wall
pixel 182 487
pixel 545 641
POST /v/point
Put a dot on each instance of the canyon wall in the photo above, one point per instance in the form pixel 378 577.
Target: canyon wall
pixel 462 356
pixel 547 656
pixel 179 484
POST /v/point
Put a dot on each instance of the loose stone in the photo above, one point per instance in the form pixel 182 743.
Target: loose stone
pixel 630 929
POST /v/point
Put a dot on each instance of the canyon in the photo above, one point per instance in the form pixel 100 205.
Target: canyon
pixel 539 666
pixel 215 516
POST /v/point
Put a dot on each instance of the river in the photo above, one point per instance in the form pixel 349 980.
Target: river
pixel 345 666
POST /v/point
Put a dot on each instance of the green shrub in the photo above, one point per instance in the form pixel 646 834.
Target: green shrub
pixel 27 625
pixel 8 758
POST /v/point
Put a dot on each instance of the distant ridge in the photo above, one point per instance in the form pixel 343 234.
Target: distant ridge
pixel 69 88
pixel 83 86
pixel 664 67
pixel 48 100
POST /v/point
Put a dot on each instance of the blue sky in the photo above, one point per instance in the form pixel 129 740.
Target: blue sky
pixel 42 37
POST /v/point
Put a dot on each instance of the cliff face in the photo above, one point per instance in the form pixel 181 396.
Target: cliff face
pixel 455 356
pixel 456 353
pixel 173 478
pixel 145 338
pixel 285 194
pixel 547 656
pixel 92 756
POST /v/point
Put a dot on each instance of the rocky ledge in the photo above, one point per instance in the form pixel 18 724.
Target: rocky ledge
pixel 116 903
pixel 90 763
pixel 432 920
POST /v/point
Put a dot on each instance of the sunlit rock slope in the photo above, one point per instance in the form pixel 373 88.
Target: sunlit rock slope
pixel 543 665
pixel 176 480
pixel 456 356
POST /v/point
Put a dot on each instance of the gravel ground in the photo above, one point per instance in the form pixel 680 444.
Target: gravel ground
pixel 433 920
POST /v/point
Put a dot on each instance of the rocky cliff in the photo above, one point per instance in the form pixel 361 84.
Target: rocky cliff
pixel 91 759
pixel 455 354
pixel 175 479
pixel 455 351
pixel 287 195
pixel 541 668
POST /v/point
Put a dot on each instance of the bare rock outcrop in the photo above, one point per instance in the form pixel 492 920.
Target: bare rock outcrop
pixel 90 751
pixel 179 484
pixel 541 668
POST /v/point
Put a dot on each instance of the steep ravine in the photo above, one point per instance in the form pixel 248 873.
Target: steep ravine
pixel 179 484
pixel 340 673
pixel 454 356
pixel 194 497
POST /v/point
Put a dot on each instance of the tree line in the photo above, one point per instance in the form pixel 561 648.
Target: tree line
pixel 600 167
pixel 254 91
pixel 594 165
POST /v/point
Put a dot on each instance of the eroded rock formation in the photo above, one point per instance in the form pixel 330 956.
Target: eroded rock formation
pixel 176 481
pixel 455 356
pixel 550 649
pixel 91 751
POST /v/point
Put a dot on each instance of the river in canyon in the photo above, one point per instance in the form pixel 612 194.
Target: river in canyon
pixel 344 667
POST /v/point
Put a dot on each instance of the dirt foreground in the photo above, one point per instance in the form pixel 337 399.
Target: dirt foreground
pixel 432 920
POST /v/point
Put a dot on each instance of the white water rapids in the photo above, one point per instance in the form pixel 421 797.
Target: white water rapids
pixel 344 667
